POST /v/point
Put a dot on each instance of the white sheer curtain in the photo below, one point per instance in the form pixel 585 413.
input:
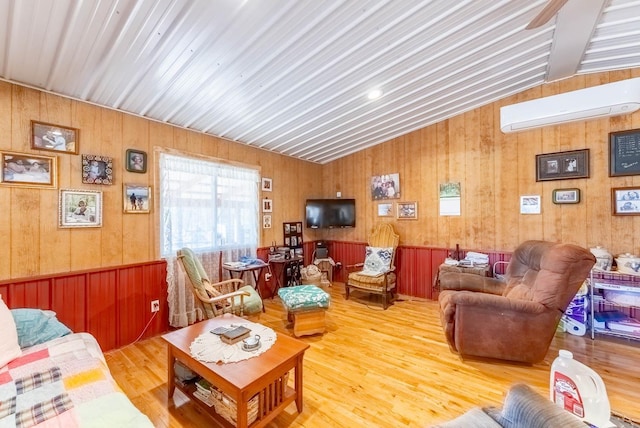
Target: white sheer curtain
pixel 211 207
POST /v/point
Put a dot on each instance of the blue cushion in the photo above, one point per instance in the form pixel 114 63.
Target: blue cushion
pixel 304 297
pixel 36 326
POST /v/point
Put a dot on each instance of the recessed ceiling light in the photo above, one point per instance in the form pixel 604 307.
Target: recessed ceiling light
pixel 374 93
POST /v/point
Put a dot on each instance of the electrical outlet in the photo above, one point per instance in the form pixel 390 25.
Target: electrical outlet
pixel 155 305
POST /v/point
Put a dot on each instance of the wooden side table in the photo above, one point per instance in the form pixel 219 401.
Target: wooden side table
pixel 474 270
pixel 263 376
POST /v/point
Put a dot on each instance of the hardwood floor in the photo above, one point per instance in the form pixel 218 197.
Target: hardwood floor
pixel 378 368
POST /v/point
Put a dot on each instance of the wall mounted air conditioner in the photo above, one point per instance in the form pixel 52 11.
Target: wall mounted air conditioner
pixel 610 99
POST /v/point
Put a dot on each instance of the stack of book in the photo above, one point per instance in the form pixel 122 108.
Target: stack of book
pixel 235 335
pixel 203 392
pixel 235 265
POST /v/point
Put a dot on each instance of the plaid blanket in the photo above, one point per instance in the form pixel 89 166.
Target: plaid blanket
pixel 64 383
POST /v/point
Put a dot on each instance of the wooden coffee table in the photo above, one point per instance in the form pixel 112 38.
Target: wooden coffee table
pixel 263 375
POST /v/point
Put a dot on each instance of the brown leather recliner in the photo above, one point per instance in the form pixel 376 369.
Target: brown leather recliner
pixel 514 319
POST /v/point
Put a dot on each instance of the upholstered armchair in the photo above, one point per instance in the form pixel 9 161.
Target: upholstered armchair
pixel 514 319
pixel 377 273
pixel 217 298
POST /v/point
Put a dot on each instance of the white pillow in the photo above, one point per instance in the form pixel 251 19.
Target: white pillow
pixel 377 260
pixel 9 348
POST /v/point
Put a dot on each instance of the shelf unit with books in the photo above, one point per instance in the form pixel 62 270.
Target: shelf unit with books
pixel 614 304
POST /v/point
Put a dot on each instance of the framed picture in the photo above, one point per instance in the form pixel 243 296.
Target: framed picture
pixel 55 138
pixel 566 196
pixel 626 200
pixel 136 198
pixel 80 208
pixel 27 170
pixel 624 153
pixel 530 204
pixel 385 186
pixel 407 211
pixel 266 221
pixel 267 184
pixel 385 210
pixel 97 169
pixel 267 205
pixel 136 161
pixel 562 165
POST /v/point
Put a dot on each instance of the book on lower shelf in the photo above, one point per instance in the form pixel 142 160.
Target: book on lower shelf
pixel 203 392
pixel 206 399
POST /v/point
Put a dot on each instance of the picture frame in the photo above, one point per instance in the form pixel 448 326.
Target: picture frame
pixel 386 186
pixel 385 210
pixel 136 198
pixel 562 165
pixel 530 204
pixel 407 210
pixel 97 169
pixel 28 170
pixel 54 138
pixel 80 208
pixel 566 196
pixel 136 161
pixel 267 205
pixel 624 153
pixel 267 184
pixel 626 200
pixel 266 221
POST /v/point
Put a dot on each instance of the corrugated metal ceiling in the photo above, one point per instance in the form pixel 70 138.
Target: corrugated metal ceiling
pixel 292 76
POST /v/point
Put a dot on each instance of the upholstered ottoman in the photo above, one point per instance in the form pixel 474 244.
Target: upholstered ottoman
pixel 306 306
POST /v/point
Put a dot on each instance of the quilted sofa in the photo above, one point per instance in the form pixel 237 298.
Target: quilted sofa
pixel 522 407
pixel 51 377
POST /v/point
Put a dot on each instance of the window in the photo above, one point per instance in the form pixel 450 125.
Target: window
pixel 206 205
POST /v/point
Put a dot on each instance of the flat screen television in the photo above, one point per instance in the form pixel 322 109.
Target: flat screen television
pixel 330 213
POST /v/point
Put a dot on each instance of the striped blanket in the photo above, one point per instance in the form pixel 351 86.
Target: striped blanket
pixel 64 383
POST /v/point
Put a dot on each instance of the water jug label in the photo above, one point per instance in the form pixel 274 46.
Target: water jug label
pixel 566 395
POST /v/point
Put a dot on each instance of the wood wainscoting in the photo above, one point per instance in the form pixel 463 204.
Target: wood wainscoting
pixel 113 303
pixel 416 267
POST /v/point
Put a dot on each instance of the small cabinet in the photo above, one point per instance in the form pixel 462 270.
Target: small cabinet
pixel 615 304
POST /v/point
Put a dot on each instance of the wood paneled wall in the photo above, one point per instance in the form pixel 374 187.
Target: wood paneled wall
pixel 33 243
pixel 495 169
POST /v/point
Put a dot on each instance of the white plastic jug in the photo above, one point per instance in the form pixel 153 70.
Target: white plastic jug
pixel 579 390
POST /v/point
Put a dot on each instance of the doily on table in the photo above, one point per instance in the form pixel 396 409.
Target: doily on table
pixel 209 348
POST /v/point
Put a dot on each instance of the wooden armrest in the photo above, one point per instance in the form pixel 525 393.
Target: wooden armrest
pixel 229 285
pixel 224 297
pixel 353 268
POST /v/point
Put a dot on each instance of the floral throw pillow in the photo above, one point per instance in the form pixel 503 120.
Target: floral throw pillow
pixel 377 260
